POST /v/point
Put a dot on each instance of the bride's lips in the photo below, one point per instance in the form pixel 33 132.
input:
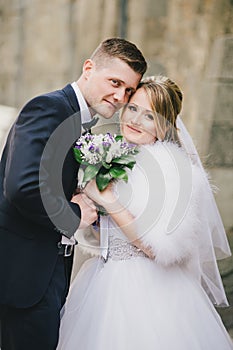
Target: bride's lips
pixel 133 129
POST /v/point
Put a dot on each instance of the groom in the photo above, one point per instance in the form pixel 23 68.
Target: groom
pixel 39 212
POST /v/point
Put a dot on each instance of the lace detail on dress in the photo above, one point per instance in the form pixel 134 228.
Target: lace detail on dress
pixel 123 250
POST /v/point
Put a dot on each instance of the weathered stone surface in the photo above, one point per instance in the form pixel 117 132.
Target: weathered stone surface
pixel 222 178
pixel 7 117
pixel 223 103
pixel 221 63
pixel 221 145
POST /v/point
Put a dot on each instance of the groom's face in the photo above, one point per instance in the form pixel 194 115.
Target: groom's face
pixel 108 85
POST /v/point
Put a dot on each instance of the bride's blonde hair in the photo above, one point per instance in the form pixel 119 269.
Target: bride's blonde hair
pixel 166 102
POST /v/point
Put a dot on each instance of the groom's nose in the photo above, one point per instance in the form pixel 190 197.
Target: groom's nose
pixel 120 95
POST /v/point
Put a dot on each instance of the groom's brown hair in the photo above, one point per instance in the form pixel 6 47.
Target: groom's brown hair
pixel 122 49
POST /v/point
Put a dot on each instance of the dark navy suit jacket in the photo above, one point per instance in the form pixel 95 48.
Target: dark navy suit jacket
pixel 28 235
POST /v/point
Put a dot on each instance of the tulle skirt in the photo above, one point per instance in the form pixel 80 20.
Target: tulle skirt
pixel 135 304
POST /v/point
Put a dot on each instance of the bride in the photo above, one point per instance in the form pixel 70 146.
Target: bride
pixel 157 279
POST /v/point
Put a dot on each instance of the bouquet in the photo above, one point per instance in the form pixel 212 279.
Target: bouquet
pixel 103 157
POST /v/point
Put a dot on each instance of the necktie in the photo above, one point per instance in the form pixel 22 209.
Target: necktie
pixel 88 125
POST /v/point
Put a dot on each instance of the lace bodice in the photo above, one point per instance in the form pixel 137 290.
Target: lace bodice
pixel 116 245
pixel 120 249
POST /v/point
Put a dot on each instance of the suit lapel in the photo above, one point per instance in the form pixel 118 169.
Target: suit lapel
pixel 74 118
pixel 71 96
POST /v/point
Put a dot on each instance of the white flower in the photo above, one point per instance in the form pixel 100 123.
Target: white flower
pixel 81 184
pixel 109 156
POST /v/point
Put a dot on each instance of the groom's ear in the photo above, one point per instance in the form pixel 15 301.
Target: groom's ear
pixel 88 67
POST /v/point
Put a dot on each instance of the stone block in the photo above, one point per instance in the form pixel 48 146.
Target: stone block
pixel 221 145
pixel 221 63
pixel 223 179
pixel 223 102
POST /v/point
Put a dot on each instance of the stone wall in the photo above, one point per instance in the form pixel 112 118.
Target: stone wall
pixel 43 44
pixel 215 125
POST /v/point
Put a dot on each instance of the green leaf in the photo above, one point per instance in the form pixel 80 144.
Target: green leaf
pixel 106 165
pixel 130 165
pixel 119 173
pixel 90 172
pixel 118 137
pixel 102 180
pixel 124 159
pixel 77 155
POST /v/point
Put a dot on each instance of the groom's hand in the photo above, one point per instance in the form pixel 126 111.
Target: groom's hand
pixel 88 210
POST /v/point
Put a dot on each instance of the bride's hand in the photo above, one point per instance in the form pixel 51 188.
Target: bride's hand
pixel 103 198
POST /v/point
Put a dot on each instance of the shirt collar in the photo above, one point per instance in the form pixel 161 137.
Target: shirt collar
pixel 84 110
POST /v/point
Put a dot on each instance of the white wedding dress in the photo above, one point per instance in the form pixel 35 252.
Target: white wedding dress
pixel 131 302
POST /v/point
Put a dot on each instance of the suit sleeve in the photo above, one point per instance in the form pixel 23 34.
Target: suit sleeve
pixel 29 184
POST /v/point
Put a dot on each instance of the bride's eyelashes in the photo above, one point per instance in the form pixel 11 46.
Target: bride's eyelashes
pixel 132 107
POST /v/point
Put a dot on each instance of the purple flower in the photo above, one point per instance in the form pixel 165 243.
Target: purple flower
pixel 131 145
pixel 88 137
pixel 106 143
pixel 110 136
pixel 124 145
pixel 78 145
pixel 91 148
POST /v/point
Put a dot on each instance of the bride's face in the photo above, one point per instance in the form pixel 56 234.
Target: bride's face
pixel 137 121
